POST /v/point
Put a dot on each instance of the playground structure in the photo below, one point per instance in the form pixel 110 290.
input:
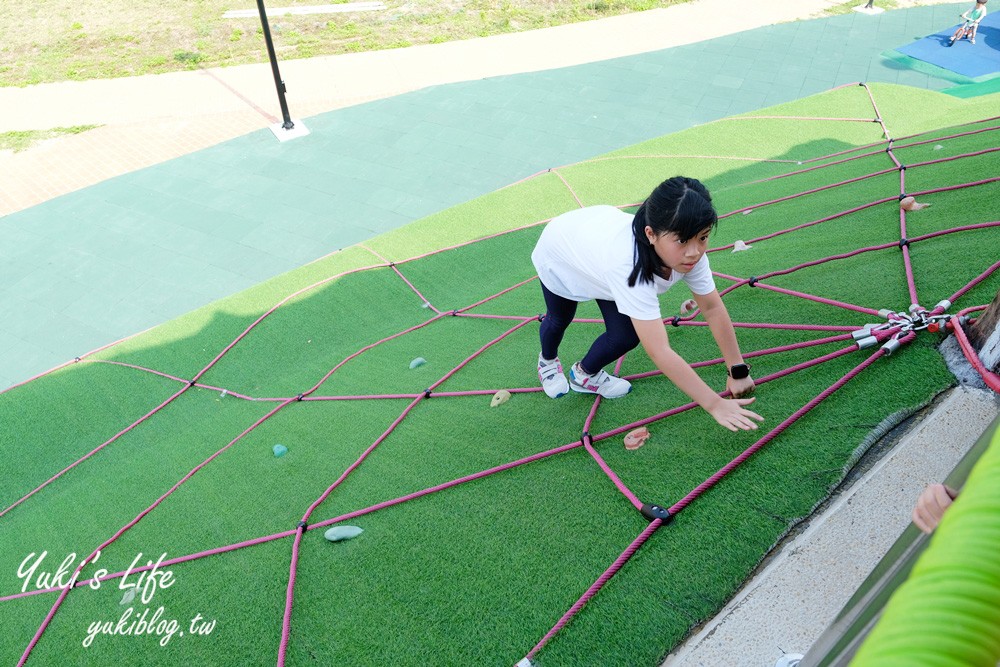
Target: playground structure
pixel 494 325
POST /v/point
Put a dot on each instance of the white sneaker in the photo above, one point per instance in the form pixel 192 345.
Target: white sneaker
pixel 551 375
pixel 601 383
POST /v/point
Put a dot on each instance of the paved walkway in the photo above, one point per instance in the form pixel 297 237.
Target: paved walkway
pixel 146 120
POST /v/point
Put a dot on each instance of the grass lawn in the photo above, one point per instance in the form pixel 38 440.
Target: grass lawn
pixel 59 40
pixel 483 526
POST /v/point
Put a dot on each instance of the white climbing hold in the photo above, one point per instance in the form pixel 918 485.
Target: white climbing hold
pixel 500 398
pixel 689 307
pixel 340 533
pixel 740 245
pixel 128 597
pixel 938 147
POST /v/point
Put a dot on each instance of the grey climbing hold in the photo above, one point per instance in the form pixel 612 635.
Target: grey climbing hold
pixel 339 533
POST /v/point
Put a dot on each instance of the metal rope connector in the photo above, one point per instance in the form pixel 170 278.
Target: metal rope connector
pixel 892 345
pixel 864 332
pixel 870 341
pixel 943 304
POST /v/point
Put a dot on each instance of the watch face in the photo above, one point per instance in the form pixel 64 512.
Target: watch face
pixel 739 371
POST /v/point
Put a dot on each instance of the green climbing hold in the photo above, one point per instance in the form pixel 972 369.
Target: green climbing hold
pixel 416 363
pixel 340 533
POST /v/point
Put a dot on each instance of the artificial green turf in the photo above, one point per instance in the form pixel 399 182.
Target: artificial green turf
pixel 89 503
pixel 478 573
pixel 241 591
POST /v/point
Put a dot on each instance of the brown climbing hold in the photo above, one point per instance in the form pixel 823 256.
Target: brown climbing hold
pixel 636 438
pixel 911 204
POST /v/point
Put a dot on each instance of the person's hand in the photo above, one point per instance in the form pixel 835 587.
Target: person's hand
pixel 731 414
pixel 931 504
pixel 740 388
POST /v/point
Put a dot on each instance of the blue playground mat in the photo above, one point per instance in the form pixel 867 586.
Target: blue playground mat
pixel 977 61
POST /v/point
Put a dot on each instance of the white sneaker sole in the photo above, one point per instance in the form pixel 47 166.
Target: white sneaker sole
pixel 583 390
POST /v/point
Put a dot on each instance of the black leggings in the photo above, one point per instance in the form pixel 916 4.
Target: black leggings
pixel 618 338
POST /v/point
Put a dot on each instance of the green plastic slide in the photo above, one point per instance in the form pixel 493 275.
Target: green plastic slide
pixel 947 613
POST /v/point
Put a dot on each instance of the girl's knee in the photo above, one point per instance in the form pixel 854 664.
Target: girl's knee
pixel 626 339
pixel 554 320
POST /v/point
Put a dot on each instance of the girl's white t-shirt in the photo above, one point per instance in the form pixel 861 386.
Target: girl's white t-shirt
pixel 588 254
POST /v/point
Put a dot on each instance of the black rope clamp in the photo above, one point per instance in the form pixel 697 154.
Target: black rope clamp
pixel 585 438
pixel 753 281
pixel 902 167
pixel 302 524
pixel 540 317
pixel 675 320
pixel 191 383
pixel 300 397
pixel 454 313
pixel 903 242
pixel 77 359
pixel 903 196
pixel 392 264
pixel 654 512
pixel 427 393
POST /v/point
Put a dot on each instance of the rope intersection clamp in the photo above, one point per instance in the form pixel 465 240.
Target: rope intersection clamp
pixel 653 512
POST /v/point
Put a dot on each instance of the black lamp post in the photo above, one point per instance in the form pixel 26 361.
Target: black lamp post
pixel 278 83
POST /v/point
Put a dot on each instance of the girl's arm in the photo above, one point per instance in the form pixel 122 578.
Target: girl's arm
pixel 728 412
pixel 721 326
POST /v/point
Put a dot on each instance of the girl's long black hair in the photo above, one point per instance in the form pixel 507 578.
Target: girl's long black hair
pixel 680 205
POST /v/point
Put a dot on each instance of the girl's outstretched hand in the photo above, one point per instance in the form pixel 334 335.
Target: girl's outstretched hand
pixel 731 414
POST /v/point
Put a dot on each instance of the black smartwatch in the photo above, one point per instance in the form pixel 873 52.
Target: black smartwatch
pixel 739 371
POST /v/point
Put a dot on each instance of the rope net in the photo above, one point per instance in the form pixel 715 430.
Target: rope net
pixel 888 328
